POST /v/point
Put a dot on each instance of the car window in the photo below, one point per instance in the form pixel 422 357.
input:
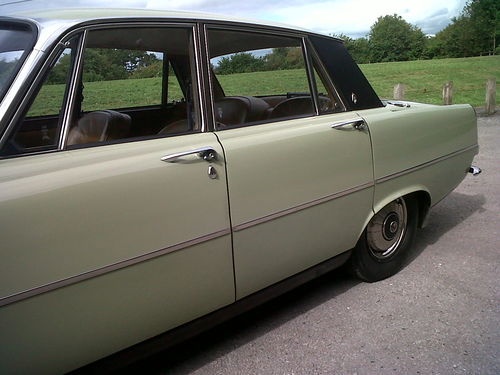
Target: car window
pixel 350 82
pixel 328 100
pixel 135 83
pixel 257 78
pixel 39 128
pixel 16 41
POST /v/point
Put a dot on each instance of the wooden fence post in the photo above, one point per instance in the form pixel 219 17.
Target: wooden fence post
pixel 448 93
pixel 399 91
pixel 491 85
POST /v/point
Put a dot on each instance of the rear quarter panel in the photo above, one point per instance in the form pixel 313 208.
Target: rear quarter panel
pixel 420 148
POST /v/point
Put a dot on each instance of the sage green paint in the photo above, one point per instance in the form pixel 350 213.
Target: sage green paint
pixel 404 138
pixel 70 212
pixel 58 331
pixel 410 137
pixel 277 166
pixel 66 213
pixel 438 180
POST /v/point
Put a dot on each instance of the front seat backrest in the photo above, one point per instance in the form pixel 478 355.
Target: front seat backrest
pixel 100 126
pixel 230 111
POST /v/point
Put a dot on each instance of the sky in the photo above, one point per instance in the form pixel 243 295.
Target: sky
pixel 350 17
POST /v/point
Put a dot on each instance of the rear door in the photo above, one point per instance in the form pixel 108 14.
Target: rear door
pixel 114 228
pixel 299 165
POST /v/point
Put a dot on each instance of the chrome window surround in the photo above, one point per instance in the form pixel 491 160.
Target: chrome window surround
pixel 159 24
pixel 316 61
pixel 35 59
pixel 308 58
pixel 33 87
pixel 310 76
pixel 69 102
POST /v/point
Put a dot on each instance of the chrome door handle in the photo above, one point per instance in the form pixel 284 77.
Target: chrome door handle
pixel 358 124
pixel 206 153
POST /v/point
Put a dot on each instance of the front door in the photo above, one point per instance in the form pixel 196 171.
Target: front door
pixel 121 231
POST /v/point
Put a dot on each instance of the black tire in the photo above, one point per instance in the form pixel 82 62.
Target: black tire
pixel 386 241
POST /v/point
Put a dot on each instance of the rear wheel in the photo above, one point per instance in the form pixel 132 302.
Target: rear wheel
pixel 386 241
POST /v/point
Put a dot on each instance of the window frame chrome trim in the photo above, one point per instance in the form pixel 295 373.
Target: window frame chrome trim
pixel 41 61
pixel 247 28
pixel 310 76
pixel 33 86
pixel 69 100
pixel 200 87
pixel 323 73
pixel 35 291
pixel 192 25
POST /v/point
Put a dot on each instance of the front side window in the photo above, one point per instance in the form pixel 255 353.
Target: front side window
pixel 40 127
pixel 15 42
pixel 257 78
pixel 135 83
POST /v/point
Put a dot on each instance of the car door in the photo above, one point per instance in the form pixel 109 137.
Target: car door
pixel 114 221
pixel 299 165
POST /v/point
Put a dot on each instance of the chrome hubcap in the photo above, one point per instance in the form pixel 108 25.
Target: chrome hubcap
pixel 386 229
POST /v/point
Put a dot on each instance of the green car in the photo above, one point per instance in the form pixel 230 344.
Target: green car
pixel 161 171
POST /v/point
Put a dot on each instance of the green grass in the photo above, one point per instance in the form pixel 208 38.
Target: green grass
pixel 264 83
pixel 107 95
pixel 424 80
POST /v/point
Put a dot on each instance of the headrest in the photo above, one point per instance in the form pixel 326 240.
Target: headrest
pixel 230 111
pixel 100 126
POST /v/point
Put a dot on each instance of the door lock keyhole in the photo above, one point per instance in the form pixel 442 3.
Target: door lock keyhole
pixel 212 173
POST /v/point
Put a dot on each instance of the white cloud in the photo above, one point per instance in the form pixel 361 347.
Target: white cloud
pixel 351 17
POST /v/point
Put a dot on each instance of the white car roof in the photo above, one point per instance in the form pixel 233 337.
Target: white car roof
pixel 79 15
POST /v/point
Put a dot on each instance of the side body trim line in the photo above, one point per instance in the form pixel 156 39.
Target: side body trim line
pixel 109 268
pixel 157 253
pixel 300 207
pixel 117 362
pixel 429 163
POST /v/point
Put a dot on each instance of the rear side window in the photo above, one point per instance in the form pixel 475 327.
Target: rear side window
pixel 257 78
pixel 354 89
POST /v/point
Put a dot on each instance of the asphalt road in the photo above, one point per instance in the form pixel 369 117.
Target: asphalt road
pixel 439 315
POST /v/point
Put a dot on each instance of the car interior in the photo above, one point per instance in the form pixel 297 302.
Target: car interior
pixel 95 121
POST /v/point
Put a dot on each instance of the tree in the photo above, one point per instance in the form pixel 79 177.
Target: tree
pixel 359 49
pixel 455 40
pixel 394 39
pixel 484 16
pixel 60 71
pixel 242 62
pixel 282 58
pixel 474 32
pixel 6 69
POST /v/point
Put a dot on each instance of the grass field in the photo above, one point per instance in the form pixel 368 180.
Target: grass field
pixel 423 79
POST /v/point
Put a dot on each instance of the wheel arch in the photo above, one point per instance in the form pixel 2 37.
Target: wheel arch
pixel 419 192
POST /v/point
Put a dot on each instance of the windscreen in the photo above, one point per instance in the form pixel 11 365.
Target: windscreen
pixel 15 43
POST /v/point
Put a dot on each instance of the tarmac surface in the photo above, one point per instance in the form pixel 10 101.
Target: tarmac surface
pixel 439 315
